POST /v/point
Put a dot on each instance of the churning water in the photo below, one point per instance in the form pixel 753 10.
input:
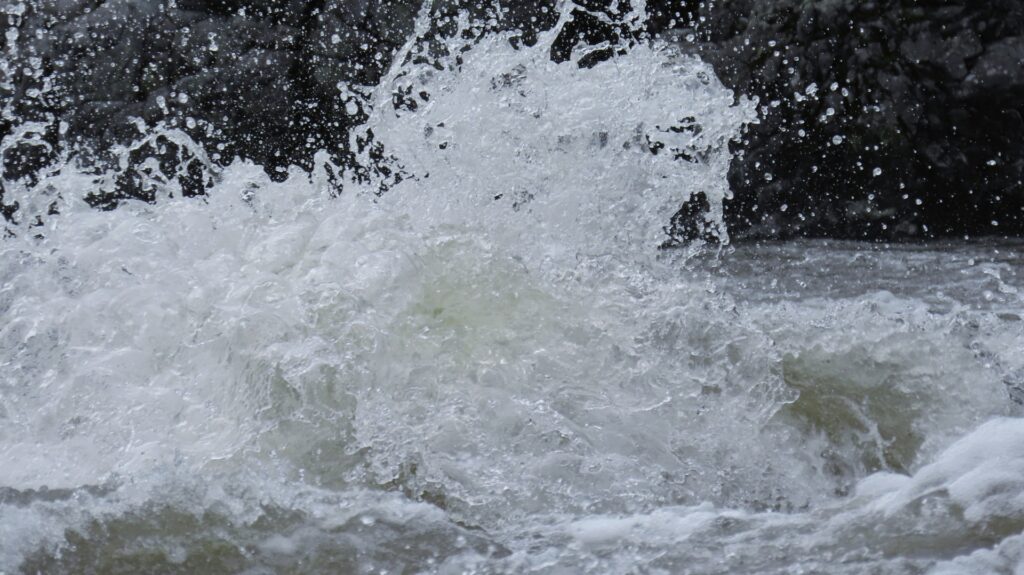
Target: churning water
pixel 492 367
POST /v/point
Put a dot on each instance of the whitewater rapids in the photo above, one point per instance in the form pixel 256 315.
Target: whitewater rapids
pixel 492 367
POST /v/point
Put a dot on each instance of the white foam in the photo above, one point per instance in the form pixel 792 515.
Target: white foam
pixel 521 369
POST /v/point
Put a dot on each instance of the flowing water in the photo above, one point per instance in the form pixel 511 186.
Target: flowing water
pixel 492 367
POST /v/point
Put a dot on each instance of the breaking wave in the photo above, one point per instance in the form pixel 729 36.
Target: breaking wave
pixel 481 346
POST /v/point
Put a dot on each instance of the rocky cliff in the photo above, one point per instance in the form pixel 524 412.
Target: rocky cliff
pixel 880 119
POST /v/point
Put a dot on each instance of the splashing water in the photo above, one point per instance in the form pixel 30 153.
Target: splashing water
pixel 491 367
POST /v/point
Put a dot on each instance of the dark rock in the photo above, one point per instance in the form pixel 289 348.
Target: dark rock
pixel 928 96
pixel 882 119
pixel 264 72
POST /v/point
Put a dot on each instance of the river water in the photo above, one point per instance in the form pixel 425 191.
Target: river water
pixel 493 367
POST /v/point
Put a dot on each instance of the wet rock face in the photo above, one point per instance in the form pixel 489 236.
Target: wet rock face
pixel 267 73
pixel 881 119
pixel 884 119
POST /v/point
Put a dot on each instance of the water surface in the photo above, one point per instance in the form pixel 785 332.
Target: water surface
pixel 492 366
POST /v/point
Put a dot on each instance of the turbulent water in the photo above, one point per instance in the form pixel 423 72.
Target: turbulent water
pixel 492 367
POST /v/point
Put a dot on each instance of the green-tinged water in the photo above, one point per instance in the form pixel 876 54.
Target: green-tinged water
pixel 493 367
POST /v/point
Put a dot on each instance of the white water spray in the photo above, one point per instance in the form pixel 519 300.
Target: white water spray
pixel 490 367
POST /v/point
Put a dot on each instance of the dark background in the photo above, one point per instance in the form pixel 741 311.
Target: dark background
pixel 925 137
